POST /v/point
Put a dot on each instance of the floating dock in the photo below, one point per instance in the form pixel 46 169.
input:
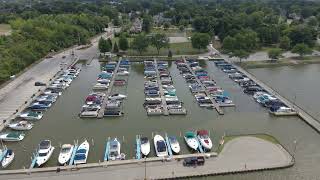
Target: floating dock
pixel 3 153
pixel 200 149
pixel 105 100
pixel 138 147
pixel 163 99
pixel 75 148
pixel 33 161
pixel 106 151
pixel 215 105
pixel 168 145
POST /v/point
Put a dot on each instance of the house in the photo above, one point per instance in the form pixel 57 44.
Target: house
pixel 136 26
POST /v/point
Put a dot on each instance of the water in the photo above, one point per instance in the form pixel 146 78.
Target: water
pixel 61 124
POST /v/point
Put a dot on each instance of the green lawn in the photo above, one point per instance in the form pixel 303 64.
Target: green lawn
pixel 4 28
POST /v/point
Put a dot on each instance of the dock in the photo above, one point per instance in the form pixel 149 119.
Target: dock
pixel 75 148
pixel 105 100
pixel 215 105
pixel 3 153
pixel 106 151
pixel 138 147
pixel 200 149
pixel 168 145
pixel 33 161
pixel 163 99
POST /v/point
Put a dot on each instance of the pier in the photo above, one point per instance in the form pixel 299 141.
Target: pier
pixel 106 151
pixel 215 104
pixel 138 147
pixel 75 148
pixel 163 99
pixel 105 100
pixel 168 145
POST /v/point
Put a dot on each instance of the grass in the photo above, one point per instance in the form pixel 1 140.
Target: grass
pixel 281 62
pixel 261 136
pixel 4 28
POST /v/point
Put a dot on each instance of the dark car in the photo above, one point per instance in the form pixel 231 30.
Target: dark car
pixel 194 161
pixel 252 89
pixel 39 84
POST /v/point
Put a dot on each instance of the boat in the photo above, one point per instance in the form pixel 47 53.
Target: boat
pixel 114 150
pixel 123 73
pixel 65 153
pixel 145 146
pixel 191 140
pixel 119 82
pixel 82 153
pixel 31 115
pixel 160 146
pixel 174 144
pixel 117 97
pixel 204 139
pixel 154 110
pixel 282 111
pixel 112 113
pixel 21 126
pixel 7 159
pixel 12 136
pixel 44 152
pixel 39 106
pixel 100 86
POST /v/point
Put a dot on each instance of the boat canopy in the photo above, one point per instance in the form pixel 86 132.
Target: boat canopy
pixel 81 151
pixel 144 140
pixel 80 157
pixel 189 134
pixel 202 132
pixel 45 144
pixel 13 135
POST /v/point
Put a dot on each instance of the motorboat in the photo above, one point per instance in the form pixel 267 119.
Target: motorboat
pixel 114 150
pixel 191 140
pixel 154 110
pixel 44 152
pixel 82 152
pixel 145 146
pixel 160 146
pixel 103 81
pixel 119 82
pixel 38 106
pixel 204 139
pixel 12 136
pixel 21 126
pixel 112 113
pixel 7 158
pixel 123 73
pixel 100 86
pixel 174 144
pixel 65 153
pixel 282 111
pixel 177 111
pixel 117 97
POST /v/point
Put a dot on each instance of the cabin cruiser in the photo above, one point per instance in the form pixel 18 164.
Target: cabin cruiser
pixel 65 153
pixel 31 115
pixel 145 146
pixel 82 152
pixel 191 140
pixel 21 126
pixel 117 97
pixel 7 158
pixel 204 139
pixel 12 136
pixel 174 144
pixel 160 146
pixel 44 152
pixel 282 111
pixel 114 151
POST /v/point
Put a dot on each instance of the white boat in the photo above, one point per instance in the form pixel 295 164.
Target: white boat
pixel 117 97
pixel 44 152
pixel 12 136
pixel 123 73
pixel 160 146
pixel 21 126
pixel 31 115
pixel 204 139
pixel 65 153
pixel 191 140
pixel 82 153
pixel 100 86
pixel 152 111
pixel 282 111
pixel 174 144
pixel 114 150
pixel 145 146
pixel 7 159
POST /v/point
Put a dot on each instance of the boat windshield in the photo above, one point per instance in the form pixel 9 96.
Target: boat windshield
pixel 161 146
pixel 144 140
pixel 65 150
pixel 45 144
pixel 42 154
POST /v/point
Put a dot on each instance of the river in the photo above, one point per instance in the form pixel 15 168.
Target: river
pixel 61 123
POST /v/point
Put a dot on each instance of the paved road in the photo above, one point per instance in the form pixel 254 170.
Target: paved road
pixel 239 154
pixel 15 93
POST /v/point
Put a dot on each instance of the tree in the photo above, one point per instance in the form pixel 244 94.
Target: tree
pixel 115 48
pixel 241 54
pixel 147 23
pixel 301 49
pixel 123 43
pixel 181 28
pixel 159 41
pixel 302 34
pixel 285 43
pixel 170 54
pixel 104 46
pixel 229 44
pixel 140 43
pixel 166 25
pixel 274 53
pixel 200 40
pixel 109 42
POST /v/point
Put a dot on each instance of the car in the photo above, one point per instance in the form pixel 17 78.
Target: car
pixel 194 161
pixel 39 83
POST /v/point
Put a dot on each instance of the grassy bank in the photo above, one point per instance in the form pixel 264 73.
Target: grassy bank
pixel 281 62
pixel 261 136
pixel 4 28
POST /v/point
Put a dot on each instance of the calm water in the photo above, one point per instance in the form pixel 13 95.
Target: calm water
pixel 62 125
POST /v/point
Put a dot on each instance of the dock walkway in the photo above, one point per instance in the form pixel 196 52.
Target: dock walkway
pixel 215 105
pixel 163 99
pixel 105 100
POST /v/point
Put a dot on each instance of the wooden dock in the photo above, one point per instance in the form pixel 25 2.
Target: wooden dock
pixel 105 100
pixel 215 105
pixel 163 99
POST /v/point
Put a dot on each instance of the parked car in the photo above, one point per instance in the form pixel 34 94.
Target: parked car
pixel 194 161
pixel 39 83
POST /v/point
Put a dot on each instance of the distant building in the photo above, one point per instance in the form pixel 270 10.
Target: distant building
pixel 160 19
pixel 136 26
